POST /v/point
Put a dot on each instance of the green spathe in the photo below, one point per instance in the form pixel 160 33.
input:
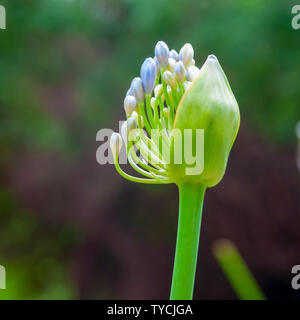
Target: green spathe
pixel 208 104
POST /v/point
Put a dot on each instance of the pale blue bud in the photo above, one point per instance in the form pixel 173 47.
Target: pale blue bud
pixel 173 55
pixel 162 53
pixel 137 89
pixel 180 72
pixel 186 54
pixel 148 75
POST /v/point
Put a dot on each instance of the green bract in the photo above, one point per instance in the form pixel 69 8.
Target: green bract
pixel 208 104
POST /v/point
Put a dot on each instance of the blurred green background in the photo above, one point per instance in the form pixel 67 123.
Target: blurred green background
pixel 70 228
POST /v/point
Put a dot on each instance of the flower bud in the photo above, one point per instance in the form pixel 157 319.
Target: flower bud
pixel 148 75
pixel 152 102
pixel 192 73
pixel 115 144
pixel 171 64
pixel 158 90
pixel 132 125
pixel 209 104
pixel 135 115
pixel 169 78
pixel 137 90
pixel 129 104
pixel 173 55
pixel 179 70
pixel 162 53
pixel 186 54
pixel 166 112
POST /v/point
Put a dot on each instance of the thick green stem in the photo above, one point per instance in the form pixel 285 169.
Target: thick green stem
pixel 191 197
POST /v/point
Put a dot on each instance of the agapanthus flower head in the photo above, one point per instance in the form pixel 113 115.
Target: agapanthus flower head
pixel 173 95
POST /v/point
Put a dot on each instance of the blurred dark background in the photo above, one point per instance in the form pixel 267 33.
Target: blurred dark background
pixel 70 228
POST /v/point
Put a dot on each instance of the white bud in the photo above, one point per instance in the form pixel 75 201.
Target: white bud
pixel 162 53
pixel 158 90
pixel 115 143
pixel 186 54
pixel 137 89
pixel 186 85
pixel 152 102
pixel 192 73
pixel 129 104
pixel 179 71
pixel 148 75
pixel 173 55
pixel 132 126
pixel 135 115
pixel 169 78
pixel 171 64
pixel 166 112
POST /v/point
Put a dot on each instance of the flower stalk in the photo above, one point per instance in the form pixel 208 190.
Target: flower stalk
pixel 191 198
